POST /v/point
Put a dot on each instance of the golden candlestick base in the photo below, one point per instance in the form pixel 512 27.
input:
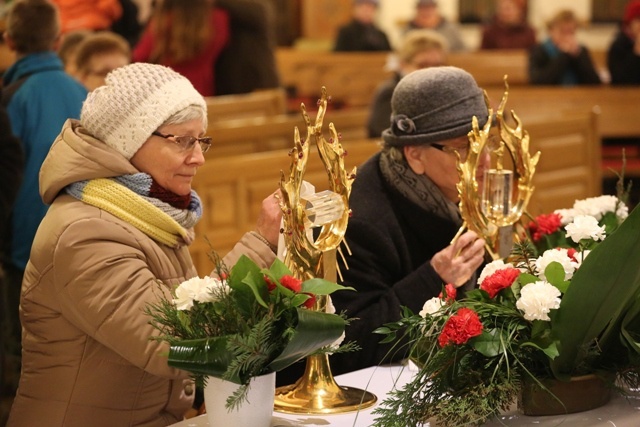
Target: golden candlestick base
pixel 318 393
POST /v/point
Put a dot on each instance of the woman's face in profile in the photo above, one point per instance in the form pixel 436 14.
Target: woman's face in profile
pixel 169 164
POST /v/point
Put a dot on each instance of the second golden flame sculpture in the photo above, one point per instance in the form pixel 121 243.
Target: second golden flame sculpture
pixel 494 208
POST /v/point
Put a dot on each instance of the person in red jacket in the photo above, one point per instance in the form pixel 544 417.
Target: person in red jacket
pixel 187 36
pixel 623 55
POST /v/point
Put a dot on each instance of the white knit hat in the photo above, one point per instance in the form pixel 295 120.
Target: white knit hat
pixel 134 102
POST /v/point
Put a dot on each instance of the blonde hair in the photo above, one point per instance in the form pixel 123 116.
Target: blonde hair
pixel 69 45
pixel 561 17
pixel 100 43
pixel 417 41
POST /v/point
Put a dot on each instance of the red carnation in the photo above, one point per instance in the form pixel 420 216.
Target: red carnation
pixel 451 292
pixel 499 280
pixel 311 301
pixel 460 327
pixel 292 283
pixel 270 285
pixel 544 225
pixel 571 253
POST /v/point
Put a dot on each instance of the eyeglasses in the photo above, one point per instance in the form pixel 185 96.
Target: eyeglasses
pixel 187 142
pixel 462 151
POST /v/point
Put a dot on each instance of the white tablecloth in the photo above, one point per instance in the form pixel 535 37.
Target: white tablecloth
pixel 620 412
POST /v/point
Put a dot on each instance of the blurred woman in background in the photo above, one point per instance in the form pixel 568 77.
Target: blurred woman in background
pixel 187 36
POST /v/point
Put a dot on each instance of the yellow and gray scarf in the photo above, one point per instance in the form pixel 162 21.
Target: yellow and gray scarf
pixel 137 199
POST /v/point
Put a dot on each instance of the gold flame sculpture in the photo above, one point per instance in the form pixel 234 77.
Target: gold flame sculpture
pixel 316 392
pixel 499 207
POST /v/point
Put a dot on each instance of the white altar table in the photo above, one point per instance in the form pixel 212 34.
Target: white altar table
pixel 620 412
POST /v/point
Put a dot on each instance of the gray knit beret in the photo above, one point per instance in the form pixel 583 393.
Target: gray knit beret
pixel 135 101
pixel 434 104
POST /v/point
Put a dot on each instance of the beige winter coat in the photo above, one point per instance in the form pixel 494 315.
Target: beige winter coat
pixel 87 357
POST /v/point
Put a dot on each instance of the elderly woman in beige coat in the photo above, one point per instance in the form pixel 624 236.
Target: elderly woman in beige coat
pixel 121 218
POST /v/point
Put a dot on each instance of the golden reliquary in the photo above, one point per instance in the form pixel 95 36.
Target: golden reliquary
pixel 491 208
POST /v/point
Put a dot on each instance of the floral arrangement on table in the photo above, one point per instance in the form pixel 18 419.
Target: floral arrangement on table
pixel 566 303
pixel 247 322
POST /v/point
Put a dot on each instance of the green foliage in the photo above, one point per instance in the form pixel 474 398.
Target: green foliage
pixel 595 330
pixel 249 325
pixel 606 286
pixel 460 385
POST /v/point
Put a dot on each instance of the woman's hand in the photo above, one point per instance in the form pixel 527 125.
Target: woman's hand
pixel 457 262
pixel 268 225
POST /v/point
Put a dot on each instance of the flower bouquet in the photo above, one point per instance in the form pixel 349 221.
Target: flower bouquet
pixel 566 303
pixel 248 323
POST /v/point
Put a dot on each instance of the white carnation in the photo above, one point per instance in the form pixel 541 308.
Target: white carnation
pixel 596 206
pixel 566 215
pixel 491 268
pixel 559 255
pixel 537 299
pixel 585 227
pixel 206 289
pixel 431 307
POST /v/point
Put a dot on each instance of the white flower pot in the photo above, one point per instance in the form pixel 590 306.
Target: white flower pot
pixel 255 412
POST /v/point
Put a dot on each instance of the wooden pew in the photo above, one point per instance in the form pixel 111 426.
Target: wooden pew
pixel 569 166
pixel 268 102
pixel 351 78
pixel 618 107
pixel 488 67
pixel 256 134
pixel 232 187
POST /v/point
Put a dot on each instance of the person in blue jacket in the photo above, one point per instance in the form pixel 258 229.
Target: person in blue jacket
pixel 39 97
pixel 561 60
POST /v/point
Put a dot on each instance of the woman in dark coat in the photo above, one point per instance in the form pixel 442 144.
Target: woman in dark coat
pixel 405 213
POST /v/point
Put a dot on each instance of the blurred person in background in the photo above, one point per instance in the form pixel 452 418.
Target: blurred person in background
pixel 509 29
pixel 428 17
pixel 419 49
pixel 187 36
pixel 39 97
pixel 623 56
pixel 247 63
pixel 91 15
pixel 98 55
pixel 362 34
pixel 11 171
pixel 68 48
pixel 561 59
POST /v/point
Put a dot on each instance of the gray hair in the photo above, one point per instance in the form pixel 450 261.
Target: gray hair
pixel 191 112
pixel 395 153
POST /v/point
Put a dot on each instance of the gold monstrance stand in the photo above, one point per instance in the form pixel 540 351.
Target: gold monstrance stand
pixel 317 392
pixel 501 206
